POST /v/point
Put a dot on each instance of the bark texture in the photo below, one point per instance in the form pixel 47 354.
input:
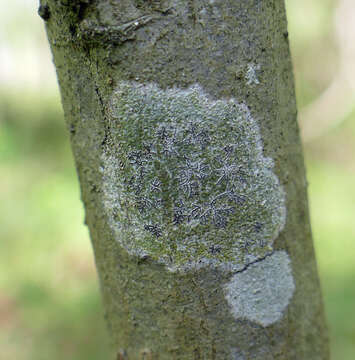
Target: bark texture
pixel 182 119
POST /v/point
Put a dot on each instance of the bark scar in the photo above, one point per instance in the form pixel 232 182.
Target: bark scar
pixel 118 34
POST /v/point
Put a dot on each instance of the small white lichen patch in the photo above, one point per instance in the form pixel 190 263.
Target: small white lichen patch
pixel 263 291
pixel 185 181
pixel 236 354
pixel 251 76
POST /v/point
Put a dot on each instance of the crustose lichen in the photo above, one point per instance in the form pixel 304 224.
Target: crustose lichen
pixel 187 174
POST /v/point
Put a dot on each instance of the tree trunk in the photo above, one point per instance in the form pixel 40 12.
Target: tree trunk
pixel 182 118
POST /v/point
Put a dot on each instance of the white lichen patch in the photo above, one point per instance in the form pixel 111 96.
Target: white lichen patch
pixel 236 354
pixel 185 181
pixel 262 292
pixel 251 74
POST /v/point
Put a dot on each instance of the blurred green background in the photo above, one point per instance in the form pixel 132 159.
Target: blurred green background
pixel 49 299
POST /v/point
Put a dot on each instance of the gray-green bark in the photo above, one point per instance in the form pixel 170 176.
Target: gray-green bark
pixel 183 125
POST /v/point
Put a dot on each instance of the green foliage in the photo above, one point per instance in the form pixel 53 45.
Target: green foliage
pixel 332 203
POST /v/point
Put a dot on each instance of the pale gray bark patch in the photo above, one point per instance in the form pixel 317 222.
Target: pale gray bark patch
pixel 237 354
pixel 251 74
pixel 185 180
pixel 263 290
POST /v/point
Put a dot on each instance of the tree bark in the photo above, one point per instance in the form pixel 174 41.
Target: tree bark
pixel 182 119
